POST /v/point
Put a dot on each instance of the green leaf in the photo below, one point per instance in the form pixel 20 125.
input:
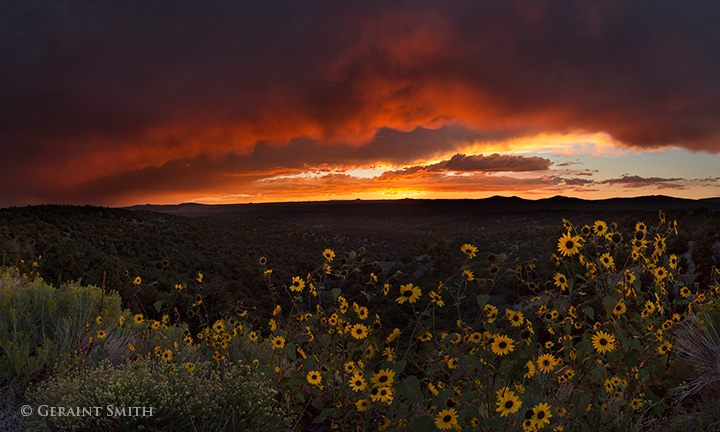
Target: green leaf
pixel 609 302
pixel 424 424
pixel 581 401
pixel 325 413
pixel 158 305
pixel 482 300
pixel 590 312
pixel 336 293
pixel 289 351
pixel 410 389
pixel 397 366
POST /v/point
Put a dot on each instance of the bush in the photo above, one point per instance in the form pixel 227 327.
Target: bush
pixel 199 397
pixel 41 325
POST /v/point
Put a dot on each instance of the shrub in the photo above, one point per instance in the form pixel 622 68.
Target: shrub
pixel 200 397
pixel 41 325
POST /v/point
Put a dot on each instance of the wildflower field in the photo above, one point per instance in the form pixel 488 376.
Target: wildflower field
pixel 614 337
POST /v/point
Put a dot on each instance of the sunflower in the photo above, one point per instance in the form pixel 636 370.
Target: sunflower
pixel 469 250
pixel 469 275
pixel 219 327
pixel 392 336
pixel 640 226
pixel 408 293
pixel 541 416
pixel 253 336
pixel 138 319
pixel 362 404
pixel 600 228
pixel 568 245
pixel 507 403
pixel 167 355
pixel 446 419
pixel 502 345
pixel 475 337
pixel 531 369
pixel 121 320
pixel 297 284
pixel 660 273
pixel 629 277
pixel 362 312
pixel 516 318
pixel 383 378
pixel 603 342
pixel 357 383
pixel 664 348
pixel 359 331
pixel 137 281
pixel 100 334
pixel 329 254
pixel 384 394
pixel 547 362
pixel 561 281
pixel 684 291
pixel 425 337
pixel 278 342
pixel 314 377
pixel 636 404
pixel 620 308
pixel 607 261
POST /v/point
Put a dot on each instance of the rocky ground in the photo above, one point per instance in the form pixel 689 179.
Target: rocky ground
pixel 10 418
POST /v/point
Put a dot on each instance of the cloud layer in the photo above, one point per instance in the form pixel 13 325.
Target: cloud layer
pixel 98 94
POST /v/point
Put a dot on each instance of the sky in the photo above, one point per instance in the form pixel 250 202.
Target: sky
pixel 117 103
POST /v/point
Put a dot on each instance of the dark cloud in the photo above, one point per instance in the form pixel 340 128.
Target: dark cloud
pixel 635 181
pixel 577 182
pixel 95 89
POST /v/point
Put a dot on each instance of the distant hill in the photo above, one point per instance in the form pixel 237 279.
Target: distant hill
pixel 422 206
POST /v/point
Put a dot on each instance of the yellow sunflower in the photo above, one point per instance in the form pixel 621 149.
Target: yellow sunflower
pixel 362 404
pixel 314 377
pixel 383 378
pixel 620 308
pixel 446 419
pixel 607 261
pixel 297 284
pixel 541 416
pixel 665 348
pixel 469 250
pixel 329 254
pixel 278 342
pixel 600 228
pixel 568 245
pixel 547 362
pixel 408 293
pixel 603 342
pixel 502 345
pixel 507 403
pixel 359 331
pixel 561 281
pixel 357 383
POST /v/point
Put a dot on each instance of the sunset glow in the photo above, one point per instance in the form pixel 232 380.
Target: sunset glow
pixel 115 104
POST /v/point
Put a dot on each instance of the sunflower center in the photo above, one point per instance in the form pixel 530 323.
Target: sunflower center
pixel 509 404
pixel 569 244
pixel 383 378
pixel 502 345
pixel 541 415
pixel 447 418
pixel 603 342
pixel 408 293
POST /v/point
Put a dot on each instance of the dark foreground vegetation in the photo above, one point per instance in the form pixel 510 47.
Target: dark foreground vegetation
pixel 405 317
